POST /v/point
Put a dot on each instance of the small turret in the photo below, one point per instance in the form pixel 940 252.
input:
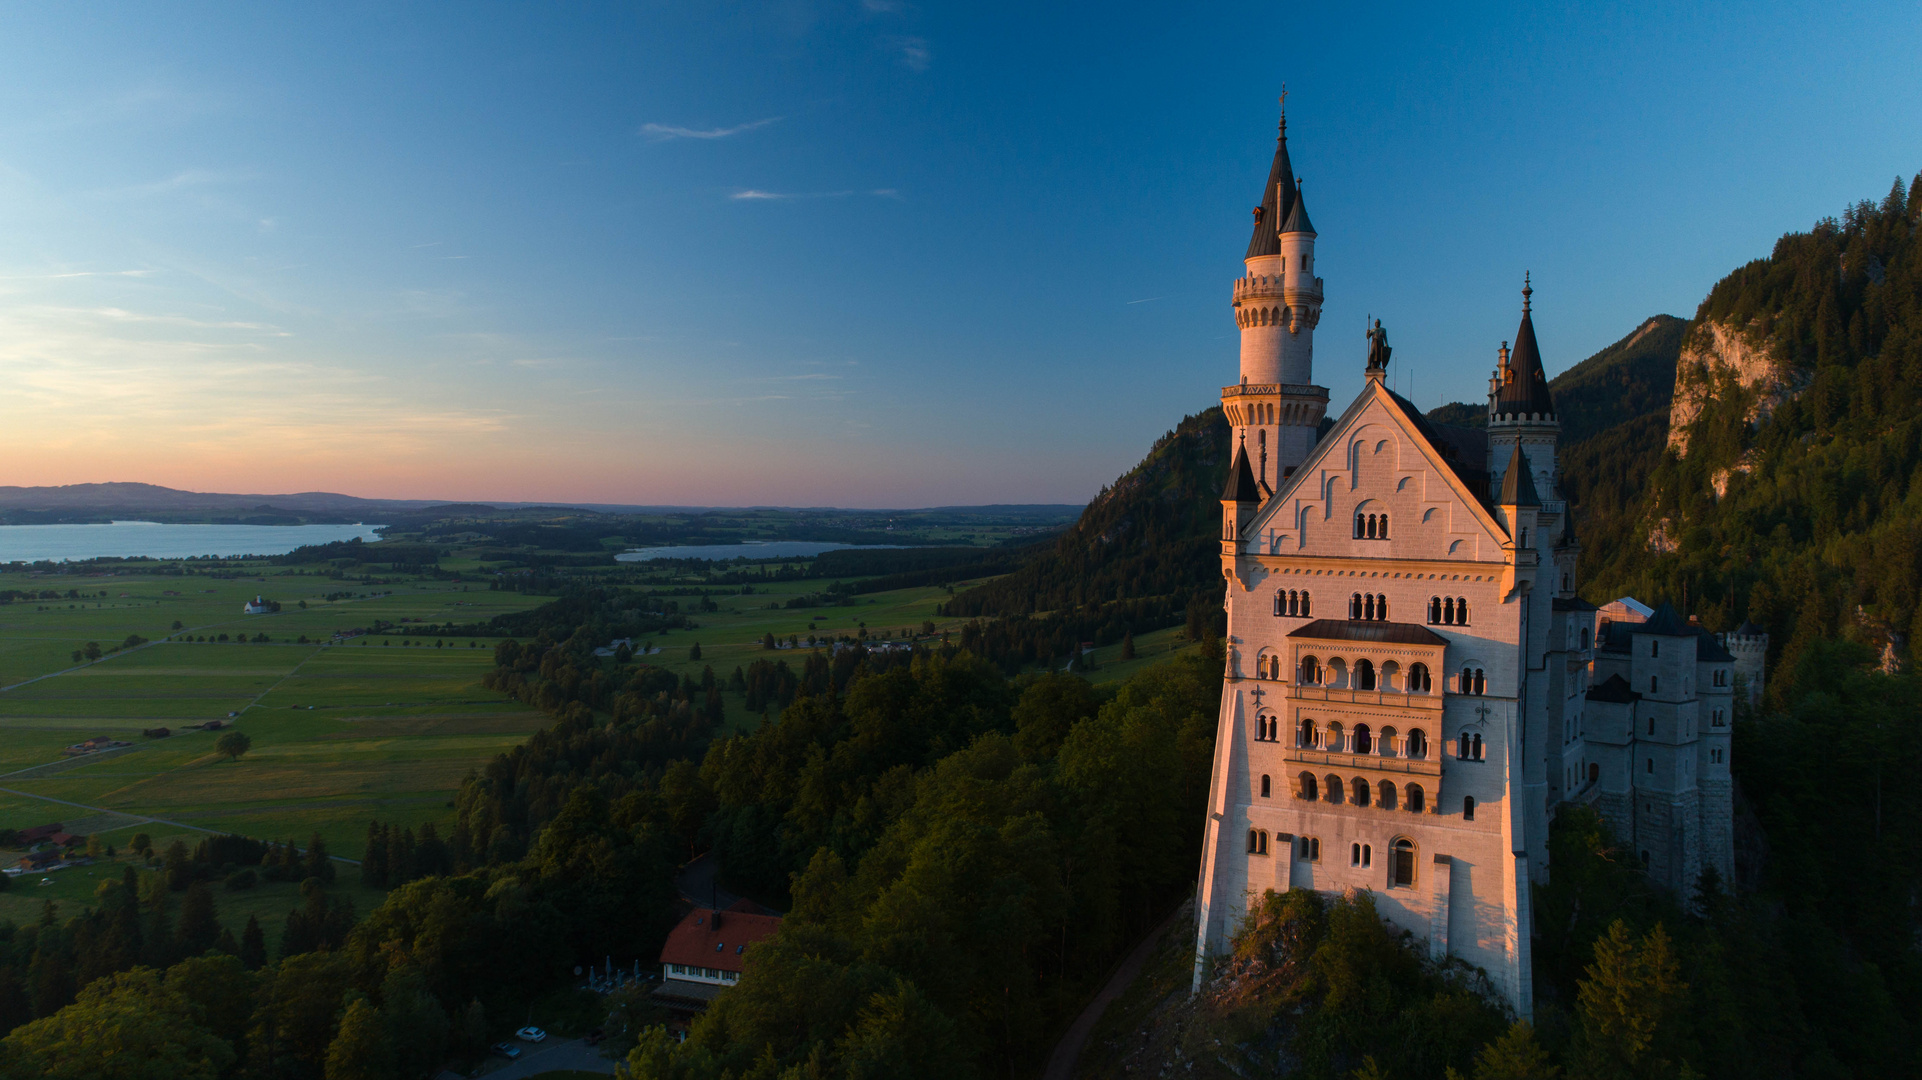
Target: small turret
pixel 1240 497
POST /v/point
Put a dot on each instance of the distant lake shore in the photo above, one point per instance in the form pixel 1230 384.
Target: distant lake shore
pixel 152 539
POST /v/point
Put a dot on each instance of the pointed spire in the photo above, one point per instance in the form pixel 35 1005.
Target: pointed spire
pixel 1518 486
pixel 1524 388
pixel 1298 217
pixel 1277 199
pixel 1241 486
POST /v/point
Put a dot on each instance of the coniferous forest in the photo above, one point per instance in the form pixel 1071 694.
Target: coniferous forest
pixel 965 847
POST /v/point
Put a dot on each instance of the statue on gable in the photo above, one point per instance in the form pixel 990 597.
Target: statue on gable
pixel 1378 349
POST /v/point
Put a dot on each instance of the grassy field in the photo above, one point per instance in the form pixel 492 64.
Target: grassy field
pixel 342 733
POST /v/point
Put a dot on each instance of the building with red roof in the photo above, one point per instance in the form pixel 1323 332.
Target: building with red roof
pixel 703 954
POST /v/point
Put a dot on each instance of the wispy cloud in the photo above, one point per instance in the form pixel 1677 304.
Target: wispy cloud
pixel 755 194
pixel 1147 300
pixel 914 53
pixel 664 132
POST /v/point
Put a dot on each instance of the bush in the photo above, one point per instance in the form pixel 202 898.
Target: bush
pixel 242 879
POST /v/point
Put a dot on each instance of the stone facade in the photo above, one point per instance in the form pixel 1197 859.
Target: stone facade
pixel 1413 687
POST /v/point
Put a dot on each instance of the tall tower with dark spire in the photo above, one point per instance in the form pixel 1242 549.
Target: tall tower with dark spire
pixel 1276 408
pixel 1521 411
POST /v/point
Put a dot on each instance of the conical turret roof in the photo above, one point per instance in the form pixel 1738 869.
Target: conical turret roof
pixel 1518 487
pixel 1524 386
pixel 1241 486
pixel 1297 220
pixel 1277 200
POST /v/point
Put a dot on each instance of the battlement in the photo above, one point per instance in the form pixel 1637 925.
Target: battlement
pixel 1259 286
pixel 1319 393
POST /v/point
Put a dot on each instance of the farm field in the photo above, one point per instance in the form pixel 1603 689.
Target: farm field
pixel 342 733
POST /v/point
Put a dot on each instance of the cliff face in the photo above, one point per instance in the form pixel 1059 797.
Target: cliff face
pixel 1720 362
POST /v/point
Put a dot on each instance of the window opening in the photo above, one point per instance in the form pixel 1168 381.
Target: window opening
pixel 1403 867
pixel 1468 807
pixel 1264 785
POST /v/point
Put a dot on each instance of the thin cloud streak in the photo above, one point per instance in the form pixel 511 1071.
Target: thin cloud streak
pixel 666 132
pixel 755 194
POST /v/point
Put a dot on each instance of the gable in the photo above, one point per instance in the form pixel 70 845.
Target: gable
pixel 1379 459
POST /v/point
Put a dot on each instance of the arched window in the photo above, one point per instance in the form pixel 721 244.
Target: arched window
pixel 1304 732
pixel 1461 611
pixel 1385 742
pixel 1468 808
pixel 1653 682
pixel 1390 675
pixel 1360 792
pixel 1281 603
pixel 1354 606
pixel 1335 743
pixel 1364 674
pixel 1364 739
pixel 1414 798
pixel 1401 869
pixel 1417 744
pixel 1385 795
pixel 1654 648
pixel 1475 742
pixel 1468 746
pixel 1308 789
pixel 1594 772
pixel 1473 681
pixel 1257 842
pixel 1418 682
pixel 1337 673
pixel 1585 639
pixel 1304 600
pixel 1371 526
pixel 1448 610
pixel 1310 671
pixel 1434 610
pixel 1360 855
pixel 1264 785
pixel 1361 526
pixel 1368 607
pixel 1332 786
pixel 1384 527
pixel 1311 849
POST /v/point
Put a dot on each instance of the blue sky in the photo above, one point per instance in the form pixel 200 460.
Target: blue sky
pixel 847 253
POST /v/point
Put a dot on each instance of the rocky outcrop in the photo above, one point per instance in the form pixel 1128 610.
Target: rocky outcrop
pixel 1720 361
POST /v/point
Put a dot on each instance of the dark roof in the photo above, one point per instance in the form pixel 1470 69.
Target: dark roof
pixel 1380 633
pixel 1464 450
pixel 1297 220
pixel 1749 629
pixel 1241 486
pixel 1525 385
pixel 1518 486
pixel 1568 530
pixel 1710 650
pixel 1664 623
pixel 1277 200
pixel 1573 604
pixel 1614 689
pixel 1613 636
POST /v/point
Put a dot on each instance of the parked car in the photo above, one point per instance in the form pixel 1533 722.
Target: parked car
pixel 507 1050
pixel 530 1034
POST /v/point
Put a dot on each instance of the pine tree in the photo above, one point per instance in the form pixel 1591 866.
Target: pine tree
pixel 199 922
pixel 373 861
pixel 318 864
pixel 695 652
pixel 1128 645
pixel 253 945
pixel 226 942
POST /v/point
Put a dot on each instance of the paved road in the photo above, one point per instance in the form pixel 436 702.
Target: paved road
pixel 1061 1063
pixel 553 1056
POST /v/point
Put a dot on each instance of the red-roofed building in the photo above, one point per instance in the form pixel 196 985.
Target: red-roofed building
pixel 704 952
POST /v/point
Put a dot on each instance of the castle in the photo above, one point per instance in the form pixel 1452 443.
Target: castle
pixel 1413 686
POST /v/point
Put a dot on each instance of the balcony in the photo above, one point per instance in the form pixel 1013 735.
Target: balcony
pixel 1391 699
pixel 1367 763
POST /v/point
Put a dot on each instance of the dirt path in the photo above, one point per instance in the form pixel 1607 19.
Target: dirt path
pixel 1068 1050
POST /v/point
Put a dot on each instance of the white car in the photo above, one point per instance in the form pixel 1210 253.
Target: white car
pixel 530 1034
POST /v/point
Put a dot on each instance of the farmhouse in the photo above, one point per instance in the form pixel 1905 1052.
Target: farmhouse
pixel 257 606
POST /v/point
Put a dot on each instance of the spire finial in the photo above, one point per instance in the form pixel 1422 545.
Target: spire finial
pixel 1283 102
pixel 1527 291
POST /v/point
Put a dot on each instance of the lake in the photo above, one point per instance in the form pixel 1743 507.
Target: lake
pixel 772 549
pixel 131 539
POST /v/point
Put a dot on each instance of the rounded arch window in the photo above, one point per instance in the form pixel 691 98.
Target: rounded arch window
pixel 1402 863
pixel 1337 673
pixel 1385 742
pixel 1417 744
pixel 1308 788
pixel 1360 792
pixel 1305 732
pixel 1418 680
pixel 1310 671
pixel 1264 785
pixel 1390 675
pixel 1365 674
pixel 1414 798
pixel 1385 795
pixel 1468 807
pixel 1331 787
pixel 1335 742
pixel 1364 740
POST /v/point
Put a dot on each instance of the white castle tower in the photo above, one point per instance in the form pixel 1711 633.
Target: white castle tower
pixel 1275 409
pixel 1749 644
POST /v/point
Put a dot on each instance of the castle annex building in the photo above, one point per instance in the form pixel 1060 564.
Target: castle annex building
pixel 1413 687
